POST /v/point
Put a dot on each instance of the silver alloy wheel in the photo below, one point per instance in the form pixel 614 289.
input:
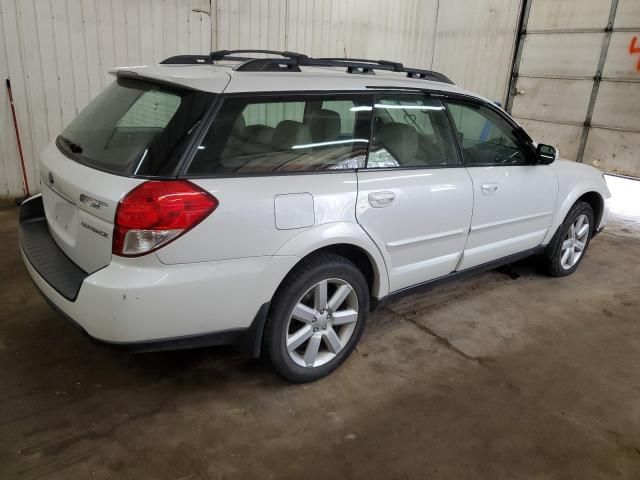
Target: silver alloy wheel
pixel 575 242
pixel 322 322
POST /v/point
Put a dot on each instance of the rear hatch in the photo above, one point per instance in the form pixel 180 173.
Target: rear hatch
pixel 133 130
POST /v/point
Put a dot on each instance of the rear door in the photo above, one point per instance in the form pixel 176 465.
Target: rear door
pixel 514 197
pixel 414 196
pixel 133 128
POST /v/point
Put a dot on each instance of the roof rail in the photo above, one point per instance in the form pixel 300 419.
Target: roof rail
pixel 228 55
pixel 362 65
pixel 291 62
pixel 225 54
pixel 188 59
pixel 385 64
pixel 270 65
pixel 427 75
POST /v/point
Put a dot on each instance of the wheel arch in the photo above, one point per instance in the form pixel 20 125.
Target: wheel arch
pixel 585 193
pixel 595 200
pixel 347 240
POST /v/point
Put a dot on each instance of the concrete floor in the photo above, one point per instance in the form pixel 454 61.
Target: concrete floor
pixel 509 375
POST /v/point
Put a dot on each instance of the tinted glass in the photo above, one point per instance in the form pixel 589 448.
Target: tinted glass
pixel 486 138
pixel 411 131
pixel 285 135
pixel 134 128
pixel 344 109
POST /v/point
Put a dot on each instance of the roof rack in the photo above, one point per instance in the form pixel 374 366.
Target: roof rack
pixel 225 54
pixel 382 64
pixel 362 65
pixel 291 61
pixel 427 75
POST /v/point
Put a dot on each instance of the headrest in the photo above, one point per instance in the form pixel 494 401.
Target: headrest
pixel 238 126
pixel 259 134
pixel 400 140
pixel 289 133
pixel 324 125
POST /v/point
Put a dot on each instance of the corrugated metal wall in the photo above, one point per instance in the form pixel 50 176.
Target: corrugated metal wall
pixel 57 52
pixel 578 83
pixel 472 42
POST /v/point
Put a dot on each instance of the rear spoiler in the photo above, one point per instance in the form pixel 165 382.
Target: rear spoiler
pixel 214 82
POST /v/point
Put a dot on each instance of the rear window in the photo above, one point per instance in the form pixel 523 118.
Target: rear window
pixel 135 128
pixel 285 135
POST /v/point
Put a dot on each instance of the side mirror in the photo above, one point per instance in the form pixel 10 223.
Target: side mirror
pixel 546 154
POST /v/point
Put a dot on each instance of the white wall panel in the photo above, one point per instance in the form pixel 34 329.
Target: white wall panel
pixel 620 63
pixel 475 43
pixel 14 70
pixel 556 100
pixel 628 15
pixel 618 106
pixel 572 38
pixel 10 177
pixel 568 14
pixel 57 54
pixel 562 54
pixel 621 159
pixel 401 30
pixel 251 24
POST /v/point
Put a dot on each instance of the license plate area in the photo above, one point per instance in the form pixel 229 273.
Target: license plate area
pixel 62 216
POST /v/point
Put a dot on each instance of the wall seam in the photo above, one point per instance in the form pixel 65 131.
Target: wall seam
pixel 596 81
pixel 517 56
pixel 435 34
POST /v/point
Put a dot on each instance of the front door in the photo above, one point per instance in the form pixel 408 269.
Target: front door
pixel 414 196
pixel 514 197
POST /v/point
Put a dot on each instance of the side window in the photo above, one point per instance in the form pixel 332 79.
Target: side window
pixel 486 138
pixel 285 135
pixel 411 131
pixel 344 109
pixel 270 114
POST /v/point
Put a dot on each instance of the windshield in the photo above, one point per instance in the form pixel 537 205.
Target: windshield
pixel 135 128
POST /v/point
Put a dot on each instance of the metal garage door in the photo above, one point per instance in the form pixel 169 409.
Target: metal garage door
pixel 576 80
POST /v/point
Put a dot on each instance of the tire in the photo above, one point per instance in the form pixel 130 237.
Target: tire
pixel 302 289
pixel 554 260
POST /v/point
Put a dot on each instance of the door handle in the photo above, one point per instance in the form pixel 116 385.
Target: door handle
pixel 490 188
pixel 381 199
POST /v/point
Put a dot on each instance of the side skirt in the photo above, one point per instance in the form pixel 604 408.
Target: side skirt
pixel 469 272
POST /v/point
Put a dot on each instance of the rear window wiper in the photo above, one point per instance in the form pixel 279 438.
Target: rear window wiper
pixel 74 147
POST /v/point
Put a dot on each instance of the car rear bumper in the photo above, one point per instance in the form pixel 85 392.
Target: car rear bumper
pixel 42 253
pixel 142 305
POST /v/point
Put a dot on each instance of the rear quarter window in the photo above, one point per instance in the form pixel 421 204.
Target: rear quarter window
pixel 285 136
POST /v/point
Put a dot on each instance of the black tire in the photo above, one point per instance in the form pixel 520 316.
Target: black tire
pixel 551 259
pixel 300 280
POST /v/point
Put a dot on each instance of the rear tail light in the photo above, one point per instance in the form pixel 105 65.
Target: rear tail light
pixel 157 212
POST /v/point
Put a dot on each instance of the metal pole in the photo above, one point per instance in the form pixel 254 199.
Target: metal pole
pixel 15 128
pixel 515 66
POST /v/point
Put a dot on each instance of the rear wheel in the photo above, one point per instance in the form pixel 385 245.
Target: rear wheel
pixel 569 244
pixel 316 318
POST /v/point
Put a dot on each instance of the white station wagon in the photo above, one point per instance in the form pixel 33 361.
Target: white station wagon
pixel 272 202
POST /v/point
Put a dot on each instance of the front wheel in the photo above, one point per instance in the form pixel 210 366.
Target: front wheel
pixel 316 318
pixel 569 244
